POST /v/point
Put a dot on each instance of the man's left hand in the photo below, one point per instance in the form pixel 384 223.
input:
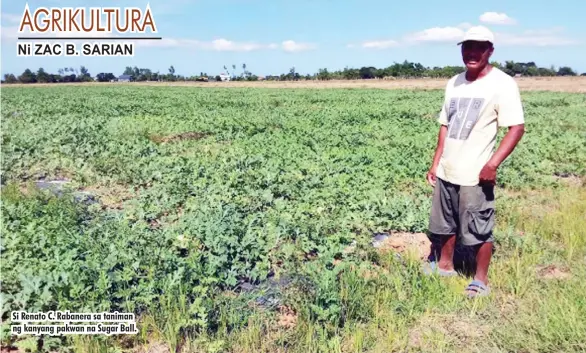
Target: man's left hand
pixel 488 175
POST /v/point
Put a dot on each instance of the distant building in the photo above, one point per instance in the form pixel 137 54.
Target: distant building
pixel 224 77
pixel 124 78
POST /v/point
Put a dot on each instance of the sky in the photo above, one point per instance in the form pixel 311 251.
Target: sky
pixel 272 36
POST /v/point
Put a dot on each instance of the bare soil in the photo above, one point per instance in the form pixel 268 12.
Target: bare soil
pixel 403 243
pixel 576 84
pixel 553 272
pixel 192 135
pixel 287 317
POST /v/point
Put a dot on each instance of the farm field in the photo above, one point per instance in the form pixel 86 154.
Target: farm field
pixel 571 84
pixel 241 220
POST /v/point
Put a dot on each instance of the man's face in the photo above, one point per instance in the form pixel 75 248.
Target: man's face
pixel 476 54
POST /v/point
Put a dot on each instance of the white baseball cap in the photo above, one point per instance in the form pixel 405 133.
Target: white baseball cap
pixel 479 34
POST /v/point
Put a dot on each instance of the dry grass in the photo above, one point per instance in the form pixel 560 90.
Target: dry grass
pixel 111 196
pixel 435 333
pixel 556 84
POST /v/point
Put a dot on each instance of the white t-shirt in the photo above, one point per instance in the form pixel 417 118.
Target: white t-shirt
pixel 473 111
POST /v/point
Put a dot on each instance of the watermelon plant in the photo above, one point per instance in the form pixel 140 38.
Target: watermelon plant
pixel 200 191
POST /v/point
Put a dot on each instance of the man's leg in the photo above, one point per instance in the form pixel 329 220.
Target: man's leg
pixel 483 257
pixel 477 215
pixel 443 224
pixel 446 260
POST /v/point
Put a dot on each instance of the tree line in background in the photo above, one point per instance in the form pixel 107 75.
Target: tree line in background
pixel 406 69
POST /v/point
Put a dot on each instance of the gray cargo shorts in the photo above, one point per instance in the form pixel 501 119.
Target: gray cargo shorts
pixel 467 211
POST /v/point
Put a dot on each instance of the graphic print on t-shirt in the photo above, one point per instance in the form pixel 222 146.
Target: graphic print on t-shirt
pixel 462 116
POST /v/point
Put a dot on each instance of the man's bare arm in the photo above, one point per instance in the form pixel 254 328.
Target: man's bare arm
pixel 439 149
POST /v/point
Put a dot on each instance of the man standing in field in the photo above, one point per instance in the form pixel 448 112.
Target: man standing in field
pixel 464 168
